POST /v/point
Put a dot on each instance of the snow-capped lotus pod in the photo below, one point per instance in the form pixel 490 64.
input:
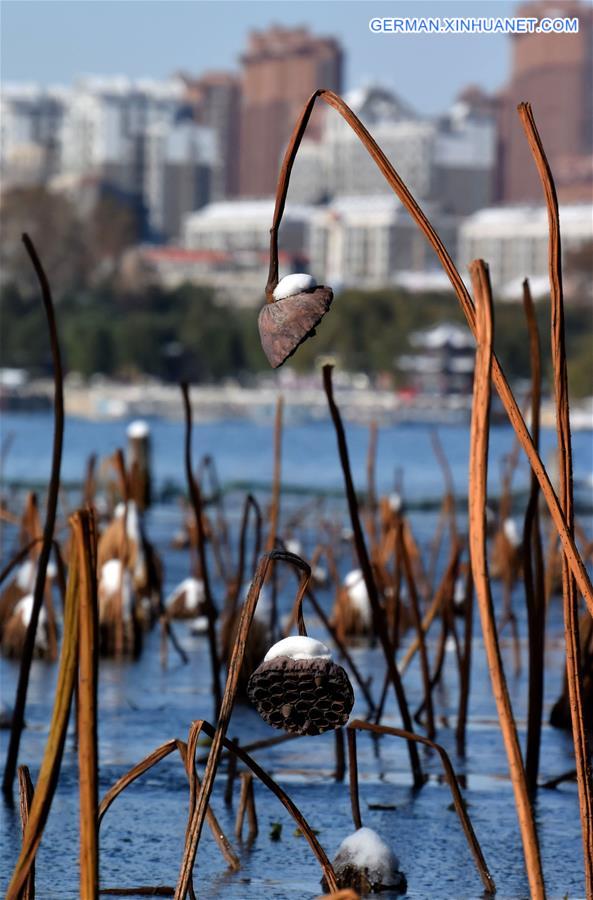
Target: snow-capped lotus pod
pixel 138 429
pixel 365 863
pixel 511 532
pixel 395 501
pixel 299 306
pixel 299 689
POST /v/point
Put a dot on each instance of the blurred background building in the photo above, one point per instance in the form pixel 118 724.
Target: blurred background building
pixel 196 159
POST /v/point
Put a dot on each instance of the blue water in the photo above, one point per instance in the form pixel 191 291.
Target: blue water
pixel 243 452
pixel 142 704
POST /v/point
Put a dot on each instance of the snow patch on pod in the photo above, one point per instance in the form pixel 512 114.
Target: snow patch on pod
pixel 138 429
pixel 294 284
pixel 511 532
pixel 365 850
pixel 298 647
pixel 194 593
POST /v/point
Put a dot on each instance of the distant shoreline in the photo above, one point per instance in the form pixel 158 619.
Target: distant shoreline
pixel 106 400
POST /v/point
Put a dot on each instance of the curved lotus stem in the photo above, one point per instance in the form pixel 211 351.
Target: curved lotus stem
pixel 48 531
pixel 411 737
pixel 478 475
pixel 196 820
pixel 238 751
pixel 499 380
pixel 570 601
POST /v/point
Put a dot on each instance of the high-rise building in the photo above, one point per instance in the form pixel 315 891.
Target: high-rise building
pixel 30 123
pixel 215 98
pixel 281 68
pixel 138 137
pixel 405 138
pixel 554 72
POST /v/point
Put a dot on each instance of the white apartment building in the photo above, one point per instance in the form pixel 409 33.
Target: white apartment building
pixel 135 136
pixel 406 140
pixel 371 242
pixel 513 240
pixel 464 160
pixel 30 123
pixel 243 226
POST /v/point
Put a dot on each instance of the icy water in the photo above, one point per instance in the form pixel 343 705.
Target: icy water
pixel 143 704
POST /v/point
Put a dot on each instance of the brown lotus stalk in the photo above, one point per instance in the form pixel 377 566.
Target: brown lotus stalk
pixel 25 799
pixel 196 502
pixel 18 717
pixel 533 568
pixel 246 808
pixel 466 662
pixel 451 778
pixel 379 619
pixel 478 473
pixel 143 766
pixel 52 757
pixel 275 788
pixel 196 819
pixel 289 341
pixel 569 593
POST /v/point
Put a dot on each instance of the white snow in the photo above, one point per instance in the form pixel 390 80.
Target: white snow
pixel 199 625
pixel 459 592
pixel 27 572
pixel 395 502
pixel 194 593
pixel 298 647
pixel 511 532
pixel 319 574
pixel 293 545
pixel 132 519
pixel 366 850
pixel 294 284
pixel 109 583
pixel 25 575
pixel 138 429
pixel 358 594
pixel 263 610
pixel 24 609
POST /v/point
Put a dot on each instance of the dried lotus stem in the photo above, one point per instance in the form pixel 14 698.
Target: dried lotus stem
pixel 86 707
pixel 52 757
pixel 424 664
pixel 196 820
pixel 371 501
pixel 498 377
pixel 474 846
pixel 533 566
pixel 478 473
pixel 269 782
pixel 353 778
pixel 277 476
pixel 246 808
pixel 379 621
pixel 18 717
pixel 466 662
pixel 582 746
pixel 25 798
pixel 147 763
pixel 249 504
pixel 196 502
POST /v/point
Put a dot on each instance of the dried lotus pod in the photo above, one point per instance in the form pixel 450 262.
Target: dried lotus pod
pixel 288 321
pixel 309 694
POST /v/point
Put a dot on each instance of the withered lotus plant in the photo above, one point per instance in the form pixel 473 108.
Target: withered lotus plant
pixel 298 687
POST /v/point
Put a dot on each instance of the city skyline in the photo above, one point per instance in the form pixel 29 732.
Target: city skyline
pixel 56 42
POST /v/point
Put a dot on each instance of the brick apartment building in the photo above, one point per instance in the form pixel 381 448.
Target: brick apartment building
pixel 281 68
pixel 554 72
